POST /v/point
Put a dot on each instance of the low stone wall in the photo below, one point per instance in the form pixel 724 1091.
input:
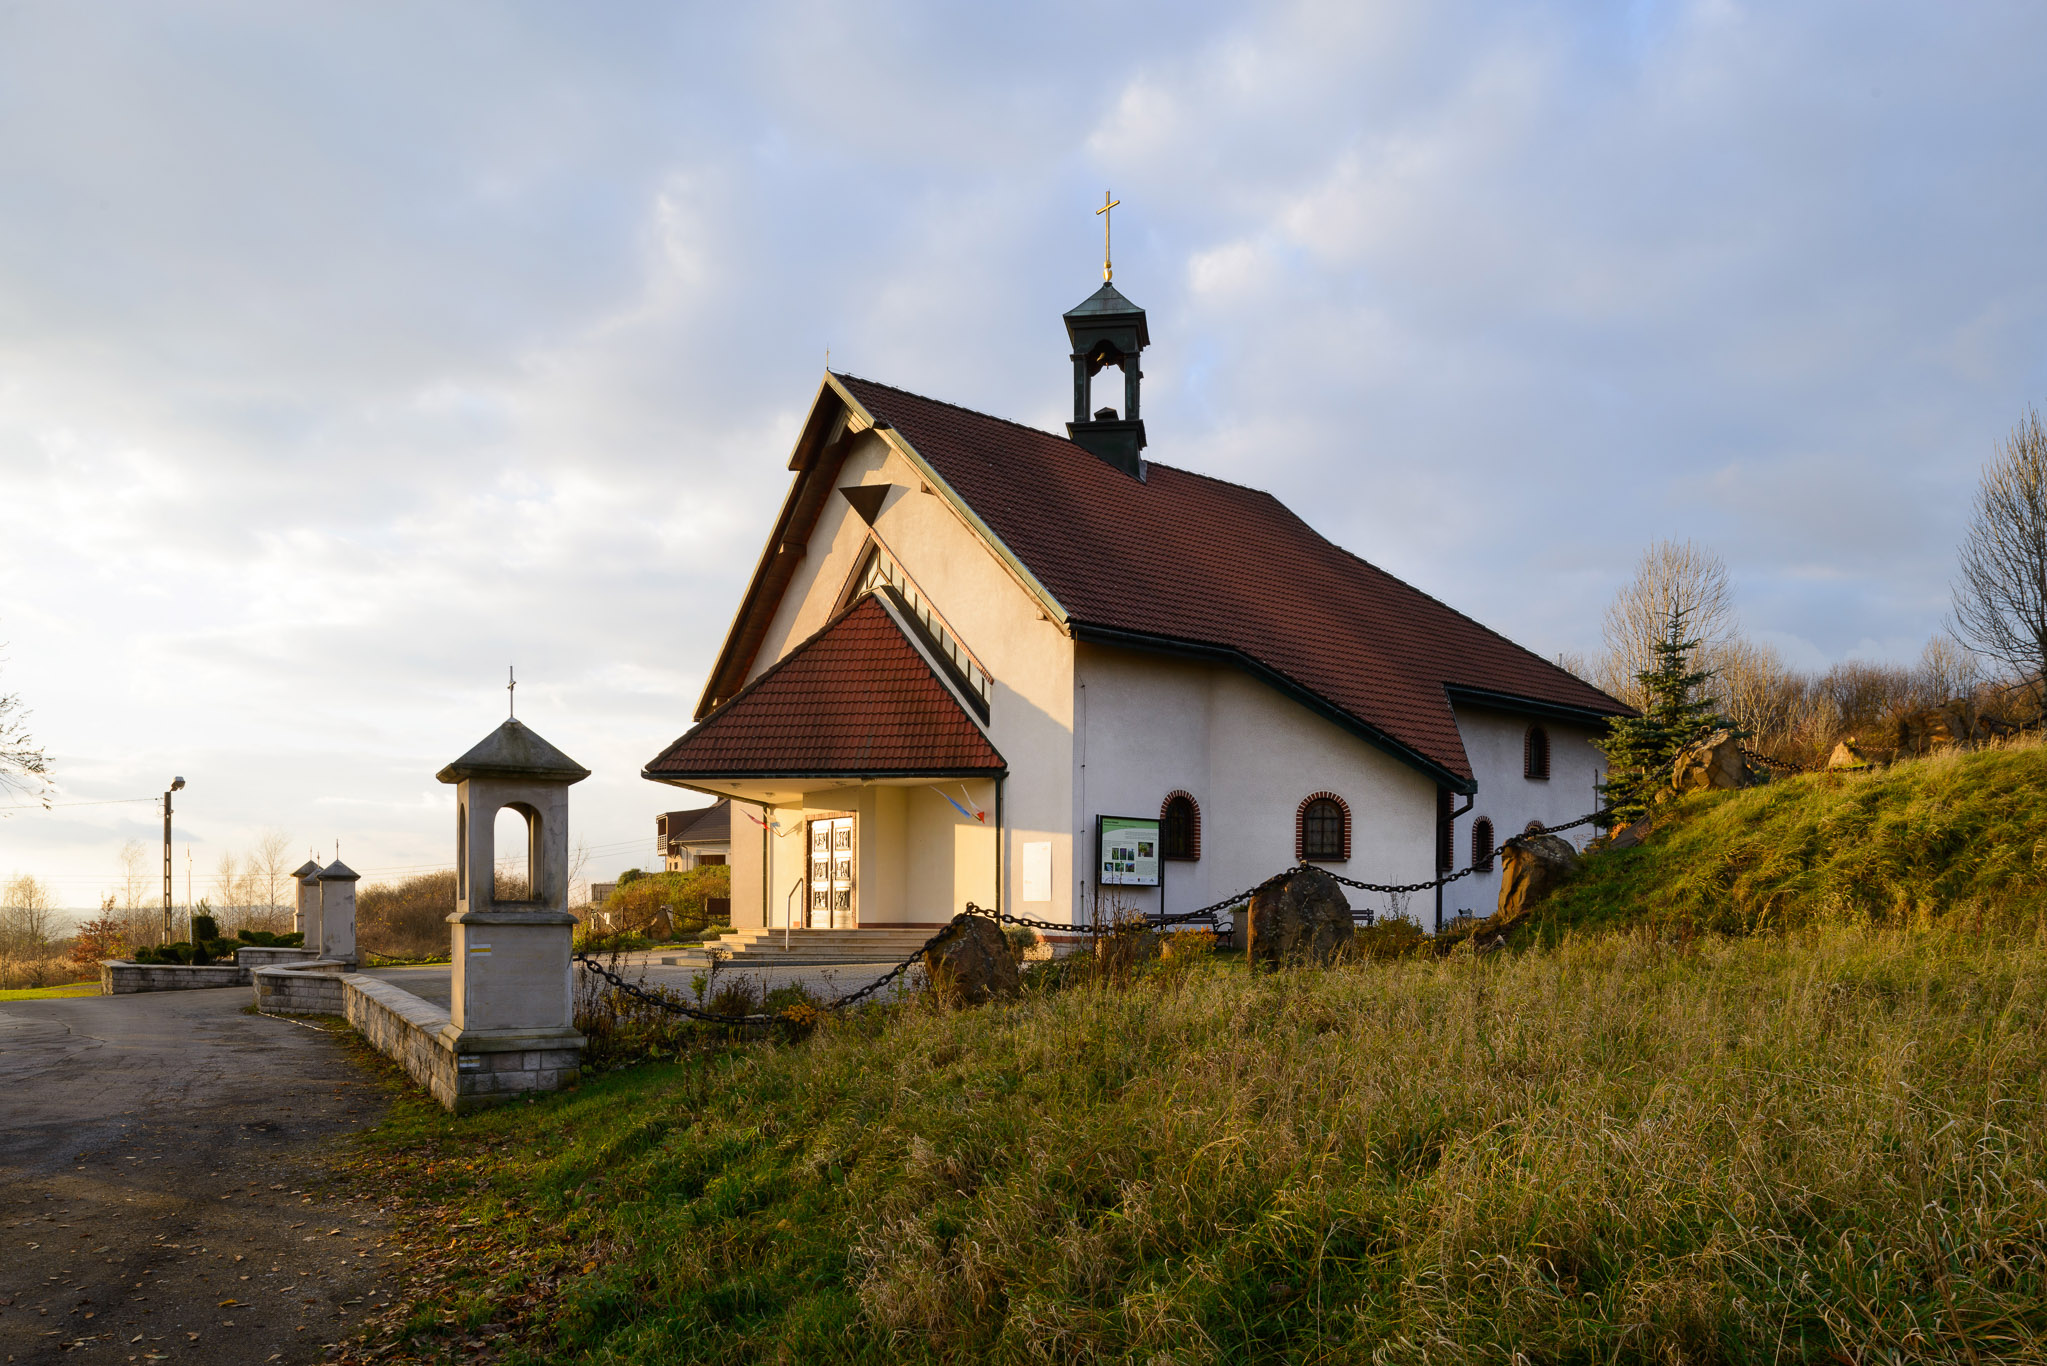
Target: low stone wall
pixel 310 988
pixel 118 978
pixel 463 1074
pixel 406 1030
pixel 265 956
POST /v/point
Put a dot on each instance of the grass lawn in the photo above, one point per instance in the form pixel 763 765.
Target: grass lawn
pixel 1828 1145
pixel 91 988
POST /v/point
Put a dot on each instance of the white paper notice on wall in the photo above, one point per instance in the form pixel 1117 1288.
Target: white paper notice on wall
pixel 1037 871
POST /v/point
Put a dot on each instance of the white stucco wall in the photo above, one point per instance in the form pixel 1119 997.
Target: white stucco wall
pixel 1151 725
pixel 1027 656
pixel 1493 743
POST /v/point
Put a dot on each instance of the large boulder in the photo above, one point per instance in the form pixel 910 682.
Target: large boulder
pixel 1531 867
pixel 1848 756
pixel 1629 836
pixel 1938 730
pixel 972 964
pixel 1714 764
pixel 1304 918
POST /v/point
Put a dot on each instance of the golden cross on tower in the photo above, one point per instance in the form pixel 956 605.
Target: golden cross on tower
pixel 1107 204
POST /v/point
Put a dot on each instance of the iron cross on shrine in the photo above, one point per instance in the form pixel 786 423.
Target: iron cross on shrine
pixel 1107 204
pixel 511 692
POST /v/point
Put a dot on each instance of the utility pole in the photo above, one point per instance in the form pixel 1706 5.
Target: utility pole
pixel 176 783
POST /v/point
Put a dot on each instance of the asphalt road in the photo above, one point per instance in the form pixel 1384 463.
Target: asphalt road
pixel 163 1194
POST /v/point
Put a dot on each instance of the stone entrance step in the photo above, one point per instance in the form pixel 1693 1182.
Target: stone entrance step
pixel 804 947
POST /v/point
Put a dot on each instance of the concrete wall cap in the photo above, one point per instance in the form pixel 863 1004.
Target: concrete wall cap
pixel 513 914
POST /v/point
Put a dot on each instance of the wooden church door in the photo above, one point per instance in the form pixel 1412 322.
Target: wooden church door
pixel 831 874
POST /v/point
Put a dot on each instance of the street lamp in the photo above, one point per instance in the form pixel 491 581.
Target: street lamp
pixel 176 784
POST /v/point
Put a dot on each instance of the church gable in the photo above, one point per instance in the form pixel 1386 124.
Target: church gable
pixel 863 511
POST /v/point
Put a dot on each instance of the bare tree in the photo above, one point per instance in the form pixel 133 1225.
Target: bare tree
pixel 28 918
pixel 270 863
pixel 1947 670
pixel 2000 599
pixel 227 884
pixel 1672 577
pixel 1749 684
pixel 140 913
pixel 23 765
pixel 579 862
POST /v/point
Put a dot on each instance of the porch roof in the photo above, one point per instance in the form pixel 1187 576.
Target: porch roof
pixel 856 700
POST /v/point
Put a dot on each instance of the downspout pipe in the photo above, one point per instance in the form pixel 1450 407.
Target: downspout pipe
pixel 1448 835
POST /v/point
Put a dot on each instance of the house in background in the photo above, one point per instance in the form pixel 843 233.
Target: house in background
pixel 700 838
pixel 978 662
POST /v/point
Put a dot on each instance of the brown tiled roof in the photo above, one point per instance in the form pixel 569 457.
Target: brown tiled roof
pixel 854 700
pixel 1183 558
pixel 702 825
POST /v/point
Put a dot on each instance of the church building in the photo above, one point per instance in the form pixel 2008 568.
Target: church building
pixel 982 662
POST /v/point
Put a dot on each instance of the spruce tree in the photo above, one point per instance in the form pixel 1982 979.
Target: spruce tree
pixel 1641 749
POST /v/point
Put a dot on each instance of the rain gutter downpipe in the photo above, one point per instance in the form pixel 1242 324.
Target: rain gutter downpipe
pixel 1447 838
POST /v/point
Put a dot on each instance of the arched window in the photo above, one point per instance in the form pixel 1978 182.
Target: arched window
pixel 1534 828
pixel 1180 828
pixel 1535 753
pixel 1322 829
pixel 1482 845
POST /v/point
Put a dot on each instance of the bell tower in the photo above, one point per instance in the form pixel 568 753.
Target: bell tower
pixel 1108 330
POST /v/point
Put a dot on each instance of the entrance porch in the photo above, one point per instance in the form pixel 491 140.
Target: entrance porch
pixel 866 795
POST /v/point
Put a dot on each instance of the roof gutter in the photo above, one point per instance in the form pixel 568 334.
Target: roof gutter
pixel 690 780
pixel 1529 706
pixel 1279 682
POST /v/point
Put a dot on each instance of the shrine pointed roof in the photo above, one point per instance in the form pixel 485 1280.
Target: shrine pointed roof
pixel 855 700
pixel 514 750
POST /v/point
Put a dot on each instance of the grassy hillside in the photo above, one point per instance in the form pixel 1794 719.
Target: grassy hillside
pixel 1825 1147
pixel 1928 840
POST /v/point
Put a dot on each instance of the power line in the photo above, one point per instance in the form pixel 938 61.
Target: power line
pixel 40 806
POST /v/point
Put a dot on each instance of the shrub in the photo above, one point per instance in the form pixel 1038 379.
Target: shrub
pixel 97 939
pixel 409 919
pixel 1392 937
pixel 637 905
pixel 1022 939
pixel 204 928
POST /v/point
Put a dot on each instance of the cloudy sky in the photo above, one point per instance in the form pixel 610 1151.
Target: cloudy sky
pixel 349 352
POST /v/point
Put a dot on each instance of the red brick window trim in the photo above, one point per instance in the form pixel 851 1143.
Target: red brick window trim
pixel 1322 829
pixel 1535 754
pixel 1482 844
pixel 1180 827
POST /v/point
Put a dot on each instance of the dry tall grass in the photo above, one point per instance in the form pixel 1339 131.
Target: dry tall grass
pixel 39 970
pixel 1827 1146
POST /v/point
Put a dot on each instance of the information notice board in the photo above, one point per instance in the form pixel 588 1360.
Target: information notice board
pixel 1127 851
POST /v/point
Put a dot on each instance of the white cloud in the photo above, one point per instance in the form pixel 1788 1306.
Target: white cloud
pixel 344 359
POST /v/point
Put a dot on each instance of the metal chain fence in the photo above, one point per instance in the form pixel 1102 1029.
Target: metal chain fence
pixel 662 1000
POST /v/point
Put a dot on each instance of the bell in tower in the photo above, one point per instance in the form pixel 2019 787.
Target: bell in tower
pixel 1107 330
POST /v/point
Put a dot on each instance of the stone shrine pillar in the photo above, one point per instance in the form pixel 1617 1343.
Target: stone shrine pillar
pixel 511 1012
pixel 303 912
pixel 309 904
pixel 337 912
